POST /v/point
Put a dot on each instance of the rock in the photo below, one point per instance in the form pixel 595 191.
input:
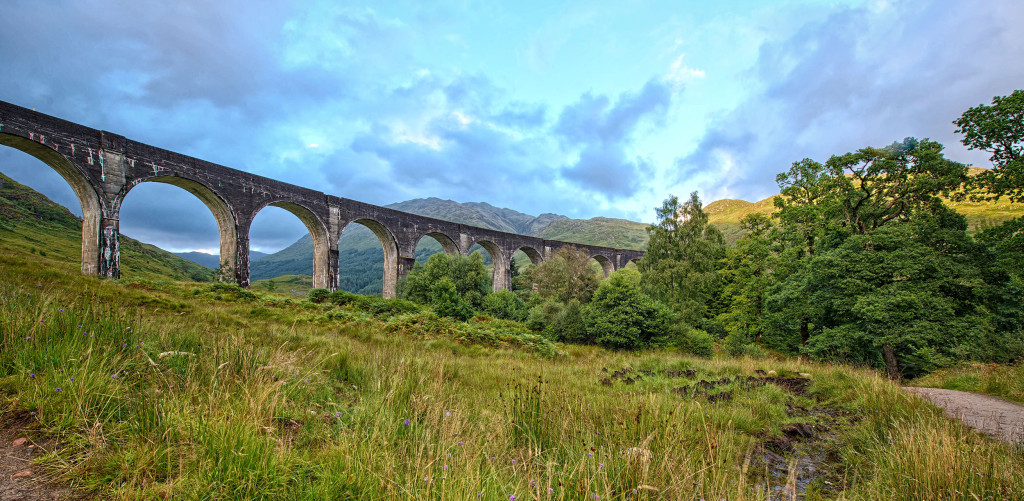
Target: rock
pixel 18 442
pixel 22 474
pixel 773 373
pixel 804 374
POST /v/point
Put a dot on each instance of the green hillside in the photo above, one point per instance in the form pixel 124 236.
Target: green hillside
pixel 608 232
pixel 212 261
pixel 32 224
pixel 726 214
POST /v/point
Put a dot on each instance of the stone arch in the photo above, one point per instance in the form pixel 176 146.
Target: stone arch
pixel 318 232
pixel 535 257
pixel 222 213
pixel 606 264
pixel 88 195
pixel 499 277
pixel 390 245
pixel 447 243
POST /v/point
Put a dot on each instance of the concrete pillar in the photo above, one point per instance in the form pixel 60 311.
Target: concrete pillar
pixel 322 261
pixel 241 270
pixel 402 266
pixel 502 277
pixel 332 267
pixel 108 250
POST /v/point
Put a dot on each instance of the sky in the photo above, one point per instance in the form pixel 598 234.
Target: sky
pixel 591 108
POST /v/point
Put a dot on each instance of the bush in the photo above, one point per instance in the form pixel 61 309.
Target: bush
pixel 569 325
pixel 504 304
pixel 447 302
pixel 698 342
pixel 467 274
pixel 542 315
pixel 318 295
pixel 621 316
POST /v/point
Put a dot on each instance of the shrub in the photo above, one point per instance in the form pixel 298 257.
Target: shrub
pixel 504 304
pixel 621 316
pixel 318 295
pixel 447 302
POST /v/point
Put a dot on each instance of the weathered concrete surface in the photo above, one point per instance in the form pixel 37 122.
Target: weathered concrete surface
pixel 102 168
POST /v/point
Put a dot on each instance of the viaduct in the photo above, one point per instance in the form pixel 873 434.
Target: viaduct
pixel 102 168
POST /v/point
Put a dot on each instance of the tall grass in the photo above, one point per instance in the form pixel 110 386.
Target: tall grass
pixel 190 392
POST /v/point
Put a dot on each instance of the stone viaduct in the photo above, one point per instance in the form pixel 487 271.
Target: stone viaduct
pixel 102 168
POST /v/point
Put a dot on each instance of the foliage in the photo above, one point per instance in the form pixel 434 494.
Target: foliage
pixel 466 274
pixel 318 295
pixel 447 302
pixel 998 129
pixel 621 316
pixel 565 276
pixel 680 265
pixel 747 275
pixel 504 304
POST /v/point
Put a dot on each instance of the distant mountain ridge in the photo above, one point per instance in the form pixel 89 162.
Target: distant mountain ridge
pixel 212 261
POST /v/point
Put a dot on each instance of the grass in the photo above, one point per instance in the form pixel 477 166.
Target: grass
pixel 1005 381
pixel 199 391
pixel 167 389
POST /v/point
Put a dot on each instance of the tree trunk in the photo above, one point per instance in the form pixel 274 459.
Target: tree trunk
pixel 805 333
pixel 891 367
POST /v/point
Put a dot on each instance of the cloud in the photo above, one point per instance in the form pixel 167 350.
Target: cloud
pixel 860 77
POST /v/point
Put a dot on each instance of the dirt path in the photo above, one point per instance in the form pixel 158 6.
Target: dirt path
pixel 20 479
pixel 992 416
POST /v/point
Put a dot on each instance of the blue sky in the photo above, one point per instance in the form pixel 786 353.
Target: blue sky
pixel 578 108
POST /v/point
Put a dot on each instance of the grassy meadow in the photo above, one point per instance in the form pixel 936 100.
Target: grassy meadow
pixel 165 389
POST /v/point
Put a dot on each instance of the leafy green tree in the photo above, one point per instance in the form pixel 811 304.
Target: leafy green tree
pixel 747 275
pixel 998 129
pixel 680 267
pixel 447 301
pixel 565 276
pixel 621 316
pixel 910 297
pixel 467 274
pixel 504 304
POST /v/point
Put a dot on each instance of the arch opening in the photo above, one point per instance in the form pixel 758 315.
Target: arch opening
pixel 605 266
pixel 88 198
pixel 523 260
pixel 163 214
pixel 367 259
pixel 434 243
pixel 285 254
pixel 498 261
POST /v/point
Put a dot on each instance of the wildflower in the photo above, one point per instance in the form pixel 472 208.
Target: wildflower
pixel 446 467
pixel 513 461
pixel 57 390
pixel 113 376
pixel 460 442
pixel 406 422
pixel 447 413
pixel 600 465
pixel 338 414
pixel 72 379
pixel 590 454
pixel 32 376
pixel 511 497
pixel 551 490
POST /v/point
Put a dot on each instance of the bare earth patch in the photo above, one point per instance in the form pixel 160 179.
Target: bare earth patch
pixel 20 479
pixel 992 416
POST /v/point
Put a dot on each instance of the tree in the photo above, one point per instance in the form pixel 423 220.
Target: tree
pixel 565 276
pixel 467 274
pixel 747 274
pixel 621 316
pixel 447 301
pixel 680 265
pixel 999 130
pixel 504 304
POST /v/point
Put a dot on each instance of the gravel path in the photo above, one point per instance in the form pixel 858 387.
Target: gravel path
pixel 992 416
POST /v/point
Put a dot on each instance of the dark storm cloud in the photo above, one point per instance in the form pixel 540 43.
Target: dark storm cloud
pixel 862 77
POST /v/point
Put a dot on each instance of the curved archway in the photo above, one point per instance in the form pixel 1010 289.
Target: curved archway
pixel 318 233
pixel 423 250
pixel 499 277
pixel 606 264
pixel 87 194
pixel 533 254
pixel 222 214
pixel 389 247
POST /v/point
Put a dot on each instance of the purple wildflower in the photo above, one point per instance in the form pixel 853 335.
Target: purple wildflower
pixel 32 376
pixel 406 422
pixel 57 390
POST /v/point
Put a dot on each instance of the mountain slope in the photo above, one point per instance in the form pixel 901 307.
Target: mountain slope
pixel 726 214
pixel 32 224
pixel 212 261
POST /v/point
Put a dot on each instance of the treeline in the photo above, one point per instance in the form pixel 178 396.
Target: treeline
pixel 862 262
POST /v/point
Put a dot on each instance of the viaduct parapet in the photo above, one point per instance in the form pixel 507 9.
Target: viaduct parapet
pixel 102 168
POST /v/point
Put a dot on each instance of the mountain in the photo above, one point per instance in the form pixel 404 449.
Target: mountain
pixel 31 224
pixel 212 261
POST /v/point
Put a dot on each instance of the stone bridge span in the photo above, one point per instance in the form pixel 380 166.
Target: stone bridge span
pixel 102 168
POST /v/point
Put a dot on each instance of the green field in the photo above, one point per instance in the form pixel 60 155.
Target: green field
pixel 163 389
